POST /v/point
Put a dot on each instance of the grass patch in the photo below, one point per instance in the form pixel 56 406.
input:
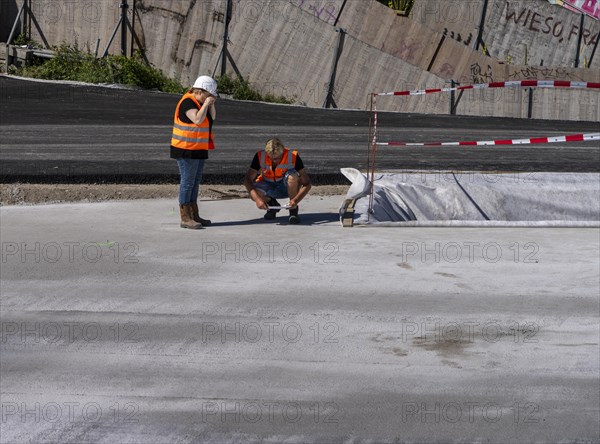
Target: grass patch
pixel 399 5
pixel 242 90
pixel 73 64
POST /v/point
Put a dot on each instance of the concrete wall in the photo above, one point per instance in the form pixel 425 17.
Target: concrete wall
pixel 287 47
pixel 458 19
pixel 523 32
pixel 417 44
pixel 183 38
pixel 540 34
pixel 71 21
pixel 408 40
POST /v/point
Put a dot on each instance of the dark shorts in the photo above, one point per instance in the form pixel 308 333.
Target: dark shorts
pixel 276 190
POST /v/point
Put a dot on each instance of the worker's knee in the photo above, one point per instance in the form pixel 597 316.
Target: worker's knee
pixel 292 177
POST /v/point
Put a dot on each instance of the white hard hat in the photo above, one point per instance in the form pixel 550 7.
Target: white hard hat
pixel 208 84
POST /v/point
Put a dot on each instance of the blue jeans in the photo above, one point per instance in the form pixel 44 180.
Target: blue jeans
pixel 191 175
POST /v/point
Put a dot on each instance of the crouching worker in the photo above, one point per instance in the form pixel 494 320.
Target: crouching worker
pixel 277 172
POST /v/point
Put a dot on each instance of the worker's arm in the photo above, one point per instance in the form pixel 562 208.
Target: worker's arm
pixel 305 187
pixel 198 115
pixel 255 195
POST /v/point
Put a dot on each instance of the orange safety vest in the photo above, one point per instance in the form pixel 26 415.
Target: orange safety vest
pixel 191 136
pixel 288 162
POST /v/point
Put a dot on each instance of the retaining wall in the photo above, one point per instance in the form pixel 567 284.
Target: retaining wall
pixel 289 47
pixel 519 31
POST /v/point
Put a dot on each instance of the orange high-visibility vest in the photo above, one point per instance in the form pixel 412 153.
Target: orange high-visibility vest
pixel 288 162
pixel 191 136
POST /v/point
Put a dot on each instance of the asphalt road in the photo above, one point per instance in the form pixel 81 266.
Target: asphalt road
pixel 52 132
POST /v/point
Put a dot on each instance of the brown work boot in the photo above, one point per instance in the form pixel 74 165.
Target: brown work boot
pixel 196 216
pixel 187 221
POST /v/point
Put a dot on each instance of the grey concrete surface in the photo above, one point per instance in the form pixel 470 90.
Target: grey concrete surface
pixel 119 326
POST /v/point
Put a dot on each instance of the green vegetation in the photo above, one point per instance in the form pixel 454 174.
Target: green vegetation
pixel 71 63
pixel 242 90
pixel 23 40
pixel 399 5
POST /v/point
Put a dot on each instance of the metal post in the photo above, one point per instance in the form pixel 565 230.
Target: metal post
pixel 124 7
pixel 340 13
pixel 479 38
pixel 374 152
pixel 11 35
pixel 579 38
pixel 435 54
pixel 593 52
pixel 225 51
pixel 530 104
pixel 452 98
pixel 132 29
pixel 27 19
pixel 105 53
pixel 97 47
pixel 329 100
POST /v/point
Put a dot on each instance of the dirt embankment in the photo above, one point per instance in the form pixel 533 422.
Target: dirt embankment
pixel 30 194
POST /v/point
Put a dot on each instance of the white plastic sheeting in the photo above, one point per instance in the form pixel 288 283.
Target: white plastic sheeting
pixel 426 198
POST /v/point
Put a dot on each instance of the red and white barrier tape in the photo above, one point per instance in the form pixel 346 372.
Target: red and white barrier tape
pixel 510 84
pixel 533 140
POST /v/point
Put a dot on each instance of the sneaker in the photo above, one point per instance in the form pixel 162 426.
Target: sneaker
pixel 272 214
pixel 294 218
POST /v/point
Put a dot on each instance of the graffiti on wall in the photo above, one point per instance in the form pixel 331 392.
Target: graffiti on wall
pixel 407 50
pixel 458 37
pixel 534 21
pixel 532 72
pixel 446 71
pixel 481 75
pixel 323 10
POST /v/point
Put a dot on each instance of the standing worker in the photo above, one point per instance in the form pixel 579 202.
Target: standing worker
pixel 277 172
pixel 192 138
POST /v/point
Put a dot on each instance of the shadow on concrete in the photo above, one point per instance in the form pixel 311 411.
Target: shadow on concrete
pixel 306 219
